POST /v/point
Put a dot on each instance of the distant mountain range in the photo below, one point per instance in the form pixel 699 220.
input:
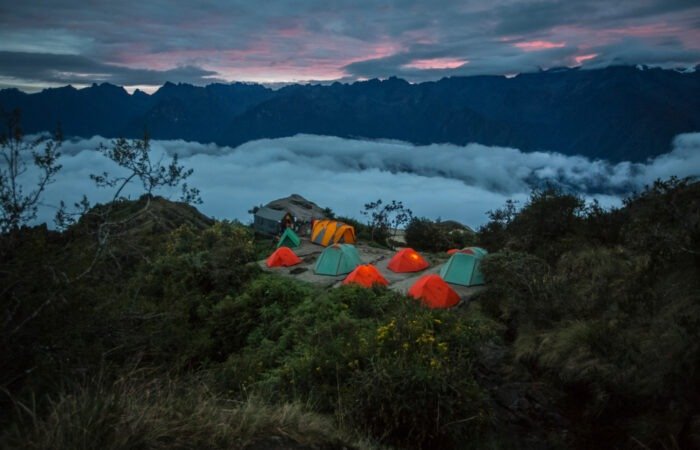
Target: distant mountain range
pixel 616 113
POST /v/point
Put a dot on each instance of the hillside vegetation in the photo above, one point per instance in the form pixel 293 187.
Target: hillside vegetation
pixel 587 336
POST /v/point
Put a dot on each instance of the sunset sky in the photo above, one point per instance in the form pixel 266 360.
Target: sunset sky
pixel 145 43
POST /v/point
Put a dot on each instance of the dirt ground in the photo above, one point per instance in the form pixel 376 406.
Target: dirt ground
pixel 380 257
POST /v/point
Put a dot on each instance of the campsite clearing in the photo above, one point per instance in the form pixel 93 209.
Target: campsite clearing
pixel 379 257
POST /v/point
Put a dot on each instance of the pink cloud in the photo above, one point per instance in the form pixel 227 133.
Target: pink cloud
pixel 291 32
pixel 436 63
pixel 268 59
pixel 580 59
pixel 535 46
pixel 652 32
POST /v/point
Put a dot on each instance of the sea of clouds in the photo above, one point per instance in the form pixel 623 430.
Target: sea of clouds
pixel 439 180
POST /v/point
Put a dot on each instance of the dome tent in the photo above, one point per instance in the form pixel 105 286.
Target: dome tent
pixel 473 251
pixel 407 260
pixel 469 250
pixel 289 239
pixel 327 232
pixel 282 257
pixel 463 267
pixel 338 259
pixel 365 275
pixel 434 292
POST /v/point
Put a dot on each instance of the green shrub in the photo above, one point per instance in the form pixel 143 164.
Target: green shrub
pixel 373 358
pixel 415 387
pixel 427 235
pixel 611 329
pixel 521 289
pixel 260 312
pixel 210 260
pixel 663 222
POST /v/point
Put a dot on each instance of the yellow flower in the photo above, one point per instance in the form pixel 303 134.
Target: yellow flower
pixel 383 331
pixel 425 338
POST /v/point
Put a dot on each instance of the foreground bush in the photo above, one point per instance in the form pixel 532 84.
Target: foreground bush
pixel 610 317
pixel 373 358
pixel 415 385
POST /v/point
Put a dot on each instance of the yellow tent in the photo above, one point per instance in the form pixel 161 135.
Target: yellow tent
pixel 327 232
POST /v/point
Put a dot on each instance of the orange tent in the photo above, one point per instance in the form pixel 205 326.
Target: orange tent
pixel 365 275
pixel 282 257
pixel 452 251
pixel 434 292
pixel 327 232
pixel 407 260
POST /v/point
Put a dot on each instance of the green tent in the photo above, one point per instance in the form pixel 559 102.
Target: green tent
pixel 338 259
pixel 289 239
pixel 463 268
pixel 475 250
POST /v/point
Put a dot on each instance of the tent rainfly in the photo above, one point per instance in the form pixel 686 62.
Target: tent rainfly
pixel 338 259
pixel 282 257
pixel 327 232
pixel 407 260
pixel 463 267
pixel 365 275
pixel 469 250
pixel 289 239
pixel 434 292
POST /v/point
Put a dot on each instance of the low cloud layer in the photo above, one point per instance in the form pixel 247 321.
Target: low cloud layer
pixel 445 181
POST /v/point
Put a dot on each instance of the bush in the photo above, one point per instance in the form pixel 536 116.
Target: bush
pixel 373 358
pixel 663 222
pixel 415 386
pixel 550 224
pixel 611 329
pixel 212 260
pixel 521 289
pixel 238 321
pixel 427 235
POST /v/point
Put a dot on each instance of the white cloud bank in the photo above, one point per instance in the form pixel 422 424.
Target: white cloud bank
pixel 438 180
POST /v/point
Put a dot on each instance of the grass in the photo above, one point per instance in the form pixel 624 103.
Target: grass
pixel 133 413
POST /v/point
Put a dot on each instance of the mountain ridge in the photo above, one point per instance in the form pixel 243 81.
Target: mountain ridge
pixel 616 113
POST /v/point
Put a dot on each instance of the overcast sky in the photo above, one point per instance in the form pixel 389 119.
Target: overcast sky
pixel 145 43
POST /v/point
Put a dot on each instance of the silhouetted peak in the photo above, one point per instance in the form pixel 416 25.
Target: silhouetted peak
pixel 138 93
pixel 172 88
pixel 394 80
pixel 68 88
pixel 107 88
pixel 167 87
pixel 12 91
pixel 561 69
